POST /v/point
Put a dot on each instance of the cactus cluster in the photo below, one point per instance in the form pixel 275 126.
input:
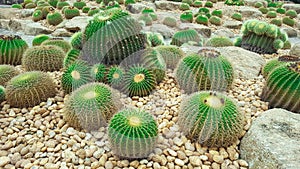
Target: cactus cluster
pixel 206 70
pixel 132 133
pixel 29 89
pixel 235 2
pixel 6 73
pixel 282 88
pixel 185 36
pixel 212 119
pixel 261 37
pixel 12 48
pixel 91 106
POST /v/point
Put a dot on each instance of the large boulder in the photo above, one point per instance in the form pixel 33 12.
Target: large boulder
pixel 164 30
pixel 273 141
pixel 295 7
pixel 250 12
pixel 9 13
pixel 252 2
pixel 232 24
pixel 77 23
pixel 167 5
pixel 28 27
pixel 295 50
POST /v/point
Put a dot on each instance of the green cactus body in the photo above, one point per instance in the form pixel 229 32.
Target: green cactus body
pixel 37 15
pixel 111 37
pixel 91 106
pixel 132 133
pixel 212 119
pixel 258 5
pixel 42 4
pixel 237 42
pixel 219 41
pixel 184 6
pixel 155 39
pixel 288 21
pixel 287 45
pixel 75 75
pixel 71 12
pixel 185 36
pixel 171 55
pixel 115 76
pixel 190 2
pixel 76 41
pixel 217 13
pixel 46 10
pixel 39 39
pixel 71 57
pixel 54 18
pixel 235 2
pixel 215 20
pixel 138 81
pixel 2 93
pixel 170 21
pixel 98 72
pixel 263 10
pixel 43 58
pixel 127 2
pixel 29 89
pixel 12 48
pixel 146 18
pixel 6 73
pixel 30 6
pixel 208 4
pixel 53 3
pixel 280 10
pixel 282 87
pixel 86 9
pixel 17 6
pixel 271 14
pixel 79 4
pixel 187 17
pixel 59 42
pixel 237 16
pixel 277 22
pixel 153 16
pixel 197 3
pixel 93 11
pixel 61 4
pixel 291 13
pixel 207 70
pixel 203 10
pixel 274 63
pixel 202 19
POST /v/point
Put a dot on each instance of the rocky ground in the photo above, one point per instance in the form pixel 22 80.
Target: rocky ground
pixel 38 137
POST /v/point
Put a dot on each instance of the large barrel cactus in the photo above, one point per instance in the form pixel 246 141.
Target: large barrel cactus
pixel 91 106
pixel 206 70
pixel 132 133
pixel 282 87
pixel 11 49
pixel 6 73
pixel 212 119
pixel 112 36
pixel 29 89
pixel 262 37
pixel 185 36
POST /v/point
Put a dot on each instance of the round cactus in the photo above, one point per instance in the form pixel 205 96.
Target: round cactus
pixel 147 10
pixel 237 42
pixel 277 22
pixel 79 4
pixel 86 9
pixel 17 6
pixel 197 3
pixel 187 17
pixel 29 89
pixel 132 133
pixel 127 2
pixel 91 106
pixel 71 12
pixel 208 4
pixel 2 93
pixel 71 56
pixel 291 13
pixel 54 18
pixel 237 16
pixel 12 48
pixel 195 72
pixel 217 13
pixel 185 36
pixel 53 3
pixel 212 119
pixel 107 37
pixel 190 2
pixel 59 42
pixel 215 20
pixel 93 11
pixel 75 75
pixel 282 87
pixel 258 5
pixel 46 10
pixel 287 45
pixel 98 72
pixel 61 4
pixel 138 81
pixel 115 76
pixel 76 40
pixel 37 15
pixel 184 6
pixel 263 10
pixel 170 21
pixel 6 73
pixel 155 39
pixel 203 10
pixel 288 21
pixel 271 14
pixel 39 39
pixel 202 19
pixel 30 6
pixel 274 63
pixel 43 58
pixel 281 10
pixel 171 55
pixel 146 18
pixel 219 41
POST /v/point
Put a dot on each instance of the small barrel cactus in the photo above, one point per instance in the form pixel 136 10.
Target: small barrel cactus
pixel 219 41
pixel 6 73
pixel 98 72
pixel 271 14
pixel 79 4
pixel 70 12
pixel 115 76
pixel 76 40
pixel 184 6
pixel 155 39
pixel 170 21
pixel 282 87
pixel 217 13
pixel 146 18
pixel 12 48
pixel 37 15
pixel 281 10
pixel 30 6
pixel 171 55
pixel 212 119
pixel 197 3
pixel 185 36
pixel 91 106
pixel 75 75
pixel 93 11
pixel 61 4
pixel 17 6
pixel 291 13
pixel 277 22
pixel 208 4
pixel 187 17
pixel 203 10
pixel 53 3
pixel 237 16
pixel 132 133
pixel 46 10
pixel 86 9
pixel 288 21
pixel 237 41
pixel 195 72
pixel 274 63
pixel 2 93
pixel 43 58
pixel 263 10
pixel 59 42
pixel 29 89
pixel 202 19
pixel 71 57
pixel 215 20
pixel 39 39
pixel 54 18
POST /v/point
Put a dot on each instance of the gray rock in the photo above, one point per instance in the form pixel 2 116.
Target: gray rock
pixel 250 12
pixel 229 10
pixel 290 31
pixel 77 23
pixel 61 32
pixel 273 141
pixel 295 7
pixel 164 30
pixel 246 64
pixel 28 27
pixel 295 50
pixel 201 29
pixel 233 24
pixel 224 32
pixel 26 13
pixel 167 5
pixel 252 2
pixel 4 23
pixel 8 13
pixel 138 7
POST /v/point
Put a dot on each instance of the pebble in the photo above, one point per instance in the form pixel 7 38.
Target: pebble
pixel 219 159
pixel 70 131
pixel 51 166
pixel 172 152
pixel 178 141
pixel 179 162
pixel 4 161
pixel 203 157
pixel 195 161
pixel 109 165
